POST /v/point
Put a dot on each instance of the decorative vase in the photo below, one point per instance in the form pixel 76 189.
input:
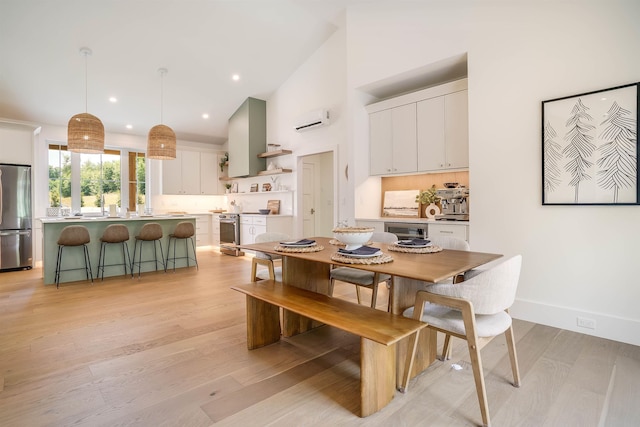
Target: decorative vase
pixel 431 211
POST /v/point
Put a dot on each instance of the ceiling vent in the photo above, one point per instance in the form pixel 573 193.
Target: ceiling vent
pixel 312 120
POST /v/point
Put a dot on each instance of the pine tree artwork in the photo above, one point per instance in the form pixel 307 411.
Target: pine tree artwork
pixel 595 161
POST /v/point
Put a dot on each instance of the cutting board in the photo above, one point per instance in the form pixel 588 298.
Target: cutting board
pixel 274 206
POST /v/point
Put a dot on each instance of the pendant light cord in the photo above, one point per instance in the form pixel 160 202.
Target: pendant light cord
pixel 86 84
pixel 162 72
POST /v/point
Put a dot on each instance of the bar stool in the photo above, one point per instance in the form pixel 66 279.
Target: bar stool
pixel 114 233
pixel 150 232
pixel 73 235
pixel 184 230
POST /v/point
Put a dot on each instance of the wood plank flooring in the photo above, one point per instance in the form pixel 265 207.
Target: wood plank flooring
pixel 170 350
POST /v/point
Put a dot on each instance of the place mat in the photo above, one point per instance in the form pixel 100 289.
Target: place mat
pixel 380 259
pixel 315 248
pixel 428 250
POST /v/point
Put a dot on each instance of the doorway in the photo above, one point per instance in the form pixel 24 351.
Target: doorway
pixel 317 195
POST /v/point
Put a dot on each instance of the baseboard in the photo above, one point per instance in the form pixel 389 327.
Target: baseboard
pixel 606 326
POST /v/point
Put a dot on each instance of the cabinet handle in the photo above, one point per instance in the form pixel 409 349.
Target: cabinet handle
pixel 446 232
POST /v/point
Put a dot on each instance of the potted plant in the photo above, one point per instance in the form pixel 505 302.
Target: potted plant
pixel 228 187
pixel 430 198
pixel 223 161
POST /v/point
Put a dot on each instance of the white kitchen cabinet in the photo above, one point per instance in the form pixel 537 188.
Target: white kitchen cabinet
pixel 393 143
pixel 181 175
pixel 253 224
pixel 443 132
pixel 215 230
pixel 203 230
pixel 193 173
pixel 438 229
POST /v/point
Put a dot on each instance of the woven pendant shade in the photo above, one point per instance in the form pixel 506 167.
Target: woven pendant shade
pixel 85 134
pixel 161 143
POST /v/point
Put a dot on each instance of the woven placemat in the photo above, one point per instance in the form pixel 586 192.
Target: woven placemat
pixel 428 250
pixel 290 249
pixel 380 259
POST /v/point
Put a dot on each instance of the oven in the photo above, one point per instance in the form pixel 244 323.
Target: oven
pixel 406 230
pixel 230 234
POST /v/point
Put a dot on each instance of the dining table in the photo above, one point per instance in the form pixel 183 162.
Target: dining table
pixel 309 268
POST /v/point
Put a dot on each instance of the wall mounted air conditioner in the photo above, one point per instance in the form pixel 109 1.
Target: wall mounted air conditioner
pixel 312 120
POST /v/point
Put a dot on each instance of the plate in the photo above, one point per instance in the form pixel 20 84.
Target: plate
pixel 400 245
pixel 361 256
pixel 293 245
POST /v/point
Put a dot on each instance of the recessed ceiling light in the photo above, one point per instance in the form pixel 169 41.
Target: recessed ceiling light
pixel 129 126
pixel 205 116
pixel 113 99
pixel 235 77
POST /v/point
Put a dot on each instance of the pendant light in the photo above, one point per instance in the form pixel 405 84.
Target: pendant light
pixel 161 142
pixel 85 132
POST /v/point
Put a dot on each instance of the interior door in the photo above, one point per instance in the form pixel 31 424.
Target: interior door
pixel 308 200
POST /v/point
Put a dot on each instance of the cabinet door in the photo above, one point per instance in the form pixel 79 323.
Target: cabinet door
pixel 456 119
pixel 449 230
pixel 403 123
pixel 190 172
pixel 172 175
pixel 209 168
pixel 380 143
pixel 431 134
pixel 203 233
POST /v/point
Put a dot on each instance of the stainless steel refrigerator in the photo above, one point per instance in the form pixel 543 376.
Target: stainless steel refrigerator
pixel 15 217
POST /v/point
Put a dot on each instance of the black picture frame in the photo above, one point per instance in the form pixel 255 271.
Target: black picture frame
pixel 590 148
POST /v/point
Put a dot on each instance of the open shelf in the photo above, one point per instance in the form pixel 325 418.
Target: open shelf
pixel 274 172
pixel 274 153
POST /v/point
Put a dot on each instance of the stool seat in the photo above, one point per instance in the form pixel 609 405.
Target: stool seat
pixel 114 233
pixel 184 230
pixel 73 236
pixel 150 232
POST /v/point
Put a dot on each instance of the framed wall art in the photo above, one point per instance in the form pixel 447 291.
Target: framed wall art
pixel 590 148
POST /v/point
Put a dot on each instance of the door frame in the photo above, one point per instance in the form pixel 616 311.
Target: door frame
pixel 298 200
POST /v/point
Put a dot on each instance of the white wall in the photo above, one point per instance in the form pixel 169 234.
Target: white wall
pixel 578 261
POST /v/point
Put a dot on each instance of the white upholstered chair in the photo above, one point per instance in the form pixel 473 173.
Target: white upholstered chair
pixel 271 272
pixel 474 310
pixel 367 279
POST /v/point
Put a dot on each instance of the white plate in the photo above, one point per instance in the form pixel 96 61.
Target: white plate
pixel 400 245
pixel 292 245
pixel 361 256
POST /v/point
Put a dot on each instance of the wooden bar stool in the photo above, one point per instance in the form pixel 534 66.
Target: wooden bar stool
pixel 150 232
pixel 184 230
pixel 114 233
pixel 73 235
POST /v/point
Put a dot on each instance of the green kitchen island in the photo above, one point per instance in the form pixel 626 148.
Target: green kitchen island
pixel 73 257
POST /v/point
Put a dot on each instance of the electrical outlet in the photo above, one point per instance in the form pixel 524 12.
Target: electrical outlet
pixel 587 323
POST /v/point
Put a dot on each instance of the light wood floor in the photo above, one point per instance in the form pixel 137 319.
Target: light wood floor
pixel 169 350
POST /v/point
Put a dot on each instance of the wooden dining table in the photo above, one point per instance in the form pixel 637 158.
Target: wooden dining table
pixel 411 272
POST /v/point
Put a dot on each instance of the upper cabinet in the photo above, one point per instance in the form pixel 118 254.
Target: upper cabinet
pixel 192 172
pixel 247 138
pixel 443 132
pixel 424 131
pixel 393 140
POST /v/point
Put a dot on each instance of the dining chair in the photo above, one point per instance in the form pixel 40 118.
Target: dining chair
pixel 475 310
pixel 271 272
pixel 362 278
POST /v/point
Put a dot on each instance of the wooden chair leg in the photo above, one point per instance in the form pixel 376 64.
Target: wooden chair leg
pixel 511 346
pixel 446 348
pixel 476 362
pixel 254 268
pixel 374 290
pixel 358 293
pixel 331 284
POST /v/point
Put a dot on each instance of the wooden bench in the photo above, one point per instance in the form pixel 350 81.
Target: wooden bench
pixel 379 332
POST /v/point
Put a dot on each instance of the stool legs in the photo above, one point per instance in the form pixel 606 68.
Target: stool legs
pixel 155 254
pixel 126 259
pixel 87 264
pixel 186 248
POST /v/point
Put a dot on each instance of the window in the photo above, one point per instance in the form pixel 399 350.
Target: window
pixel 137 180
pixel 59 176
pixel 99 181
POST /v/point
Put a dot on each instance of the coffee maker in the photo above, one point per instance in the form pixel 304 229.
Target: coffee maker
pixel 455 204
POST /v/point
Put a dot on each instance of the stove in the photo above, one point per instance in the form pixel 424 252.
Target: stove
pixel 230 234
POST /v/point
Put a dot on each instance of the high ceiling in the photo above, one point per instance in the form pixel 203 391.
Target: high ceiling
pixel 201 43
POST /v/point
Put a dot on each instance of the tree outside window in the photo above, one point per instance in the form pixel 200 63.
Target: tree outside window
pixel 99 181
pixel 59 176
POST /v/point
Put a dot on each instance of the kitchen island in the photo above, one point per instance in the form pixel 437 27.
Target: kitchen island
pixel 52 226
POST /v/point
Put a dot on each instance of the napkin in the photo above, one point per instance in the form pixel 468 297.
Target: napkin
pixel 413 242
pixel 362 250
pixel 302 242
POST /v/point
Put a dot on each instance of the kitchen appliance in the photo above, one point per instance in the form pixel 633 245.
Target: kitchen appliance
pixel 230 234
pixel 15 217
pixel 455 204
pixel 406 230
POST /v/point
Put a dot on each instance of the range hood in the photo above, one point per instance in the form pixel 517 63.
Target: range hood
pixel 248 138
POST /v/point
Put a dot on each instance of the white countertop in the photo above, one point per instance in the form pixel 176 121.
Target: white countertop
pixel 71 219
pixel 413 220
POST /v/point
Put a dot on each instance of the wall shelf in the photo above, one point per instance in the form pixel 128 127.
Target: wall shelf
pixel 274 172
pixel 275 153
